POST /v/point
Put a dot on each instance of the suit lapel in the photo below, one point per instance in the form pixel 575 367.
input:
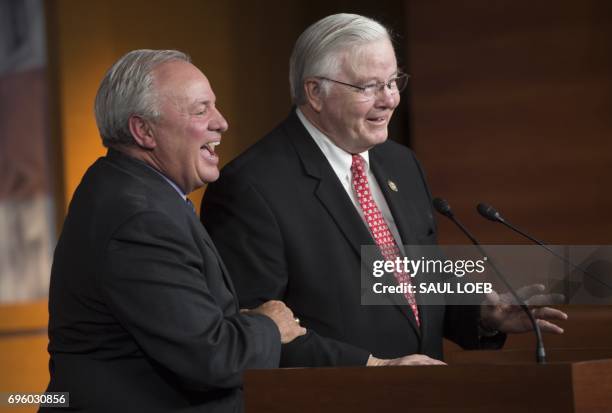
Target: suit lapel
pixel 329 191
pixel 332 195
pixel 401 209
pixel 208 241
pixel 397 200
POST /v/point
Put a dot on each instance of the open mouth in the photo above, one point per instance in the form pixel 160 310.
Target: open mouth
pixel 210 147
pixel 378 120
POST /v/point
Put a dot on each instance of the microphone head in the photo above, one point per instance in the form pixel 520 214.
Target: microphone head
pixel 489 212
pixel 442 206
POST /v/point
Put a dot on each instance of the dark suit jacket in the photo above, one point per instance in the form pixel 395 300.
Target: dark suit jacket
pixel 143 315
pixel 289 231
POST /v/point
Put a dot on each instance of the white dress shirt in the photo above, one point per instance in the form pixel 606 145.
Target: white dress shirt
pixel 341 161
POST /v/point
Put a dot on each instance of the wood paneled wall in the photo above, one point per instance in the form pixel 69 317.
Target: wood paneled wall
pixel 23 351
pixel 512 105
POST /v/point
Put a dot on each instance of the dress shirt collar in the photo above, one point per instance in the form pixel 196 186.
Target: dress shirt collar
pixel 338 158
pixel 171 182
pixel 116 152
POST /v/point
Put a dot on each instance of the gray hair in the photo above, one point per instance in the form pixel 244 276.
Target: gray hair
pixel 317 50
pixel 127 90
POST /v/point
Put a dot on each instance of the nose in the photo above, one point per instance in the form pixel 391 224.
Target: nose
pixel 218 122
pixel 386 98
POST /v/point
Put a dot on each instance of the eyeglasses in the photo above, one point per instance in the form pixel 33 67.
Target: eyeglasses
pixel 393 85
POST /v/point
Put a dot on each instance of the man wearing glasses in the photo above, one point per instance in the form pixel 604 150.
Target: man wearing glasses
pixel 290 214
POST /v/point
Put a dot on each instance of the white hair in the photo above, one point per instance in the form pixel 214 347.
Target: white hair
pixel 317 51
pixel 127 90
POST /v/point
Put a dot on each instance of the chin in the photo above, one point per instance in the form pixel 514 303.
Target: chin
pixel 378 139
pixel 209 176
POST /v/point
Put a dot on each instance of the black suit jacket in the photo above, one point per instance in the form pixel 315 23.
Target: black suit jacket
pixel 287 229
pixel 143 315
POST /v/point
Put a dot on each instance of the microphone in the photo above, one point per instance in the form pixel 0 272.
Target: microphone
pixel 490 213
pixel 443 207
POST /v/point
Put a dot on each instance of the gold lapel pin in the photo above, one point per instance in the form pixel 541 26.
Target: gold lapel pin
pixel 392 185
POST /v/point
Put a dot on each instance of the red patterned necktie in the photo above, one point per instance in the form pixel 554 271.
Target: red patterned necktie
pixel 378 227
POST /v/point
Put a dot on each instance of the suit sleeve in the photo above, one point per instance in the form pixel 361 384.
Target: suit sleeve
pixel 250 241
pixel 153 281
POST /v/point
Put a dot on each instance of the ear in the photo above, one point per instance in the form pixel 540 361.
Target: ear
pixel 314 94
pixel 142 132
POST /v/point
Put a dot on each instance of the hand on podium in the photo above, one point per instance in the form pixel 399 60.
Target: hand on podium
pixel 411 360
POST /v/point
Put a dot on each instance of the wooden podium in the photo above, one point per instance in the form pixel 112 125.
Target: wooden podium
pixel 502 383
